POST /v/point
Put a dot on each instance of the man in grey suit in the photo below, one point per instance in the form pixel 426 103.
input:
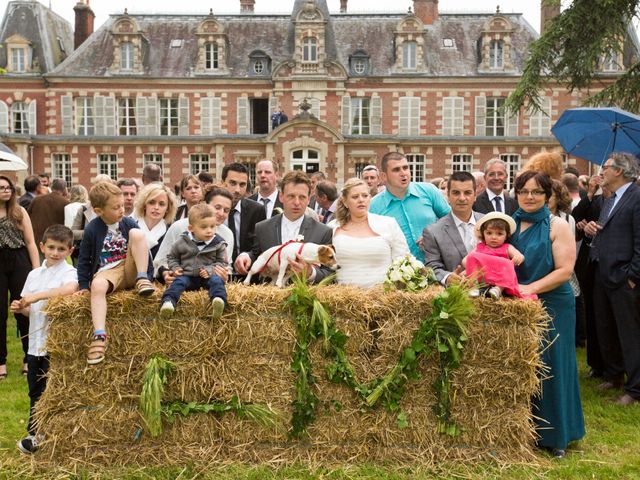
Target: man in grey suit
pixel 295 190
pixel 450 239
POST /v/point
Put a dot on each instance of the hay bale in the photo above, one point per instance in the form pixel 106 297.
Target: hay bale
pixel 90 414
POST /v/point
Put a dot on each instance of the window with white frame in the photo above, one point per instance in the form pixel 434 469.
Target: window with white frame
pixel 540 120
pixel 61 167
pixel 360 168
pixel 211 56
pixel 462 162
pixel 251 167
pixel 453 116
pixel 409 55
pixel 169 116
pixel 496 58
pixel 155 158
pixel 309 49
pixel 610 61
pixel 409 116
pixel 19 59
pixel 127 116
pixel 85 121
pixel 126 56
pixel 416 166
pixel 198 162
pixel 19 117
pixel 495 117
pixel 512 161
pixel 360 124
pixel 108 165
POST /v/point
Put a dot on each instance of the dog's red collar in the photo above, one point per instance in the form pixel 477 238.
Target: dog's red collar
pixel 279 252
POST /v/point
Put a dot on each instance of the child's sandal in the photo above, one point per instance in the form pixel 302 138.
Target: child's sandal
pixel 97 349
pixel 144 287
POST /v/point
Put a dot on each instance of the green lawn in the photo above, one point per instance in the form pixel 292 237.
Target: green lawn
pixel 611 449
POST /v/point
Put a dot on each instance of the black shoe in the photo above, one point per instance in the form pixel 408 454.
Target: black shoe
pixel 28 445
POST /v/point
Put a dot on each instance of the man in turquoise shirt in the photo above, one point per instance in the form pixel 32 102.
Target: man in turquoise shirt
pixel 414 205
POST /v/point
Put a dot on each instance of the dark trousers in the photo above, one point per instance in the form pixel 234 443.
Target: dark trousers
pixel 586 276
pixel 183 283
pixel 37 378
pixel 618 326
pixel 14 268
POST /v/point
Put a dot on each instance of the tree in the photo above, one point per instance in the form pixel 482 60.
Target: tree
pixel 570 52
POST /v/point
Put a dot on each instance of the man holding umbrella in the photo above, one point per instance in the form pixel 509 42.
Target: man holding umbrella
pixel 616 248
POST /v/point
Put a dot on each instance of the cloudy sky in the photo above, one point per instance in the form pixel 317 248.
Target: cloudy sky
pixel 103 8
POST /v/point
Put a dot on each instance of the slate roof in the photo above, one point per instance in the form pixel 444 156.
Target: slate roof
pixel 42 27
pixel 274 34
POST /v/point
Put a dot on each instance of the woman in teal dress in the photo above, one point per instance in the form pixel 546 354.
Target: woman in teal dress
pixel 549 250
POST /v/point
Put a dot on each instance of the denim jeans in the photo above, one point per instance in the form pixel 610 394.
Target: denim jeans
pixel 183 283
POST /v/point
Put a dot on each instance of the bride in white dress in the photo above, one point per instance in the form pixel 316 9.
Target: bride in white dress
pixel 365 243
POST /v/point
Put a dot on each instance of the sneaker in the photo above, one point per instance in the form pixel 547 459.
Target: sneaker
pixel 218 307
pixel 28 445
pixel 474 293
pixel 144 287
pixel 495 292
pixel 167 309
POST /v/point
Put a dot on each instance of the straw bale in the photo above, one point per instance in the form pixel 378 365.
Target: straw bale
pixel 248 352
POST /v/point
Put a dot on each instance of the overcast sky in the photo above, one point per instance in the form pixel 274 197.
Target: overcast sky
pixel 103 8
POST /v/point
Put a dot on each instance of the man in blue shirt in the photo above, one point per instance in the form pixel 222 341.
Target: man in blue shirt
pixel 414 205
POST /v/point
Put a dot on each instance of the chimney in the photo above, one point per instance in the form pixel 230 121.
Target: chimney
pixel 84 22
pixel 246 6
pixel 548 9
pixel 343 6
pixel 426 10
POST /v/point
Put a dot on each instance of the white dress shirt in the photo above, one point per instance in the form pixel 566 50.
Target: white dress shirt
pixel 492 195
pixel 289 230
pixel 270 204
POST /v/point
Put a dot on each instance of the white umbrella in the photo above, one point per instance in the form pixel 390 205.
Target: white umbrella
pixel 9 161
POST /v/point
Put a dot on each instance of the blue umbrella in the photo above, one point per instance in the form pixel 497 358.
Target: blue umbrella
pixel 593 133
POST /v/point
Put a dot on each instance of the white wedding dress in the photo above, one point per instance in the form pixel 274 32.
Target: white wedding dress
pixel 363 261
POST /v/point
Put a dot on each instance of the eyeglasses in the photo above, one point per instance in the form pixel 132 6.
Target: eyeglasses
pixel 6 189
pixel 533 193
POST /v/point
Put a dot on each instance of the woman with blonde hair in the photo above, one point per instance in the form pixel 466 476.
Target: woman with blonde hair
pixel 549 163
pixel 18 256
pixel 154 211
pixel 78 196
pixel 365 243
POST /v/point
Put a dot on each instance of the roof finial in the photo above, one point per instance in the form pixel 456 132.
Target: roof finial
pixel 126 11
pixel 211 12
pixel 497 9
pixel 409 12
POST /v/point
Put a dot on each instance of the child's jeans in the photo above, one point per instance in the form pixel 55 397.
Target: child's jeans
pixel 183 283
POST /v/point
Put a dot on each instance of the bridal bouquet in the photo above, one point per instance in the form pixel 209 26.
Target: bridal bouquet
pixel 408 273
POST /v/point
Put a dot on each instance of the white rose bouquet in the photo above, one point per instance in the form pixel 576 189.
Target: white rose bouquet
pixel 408 273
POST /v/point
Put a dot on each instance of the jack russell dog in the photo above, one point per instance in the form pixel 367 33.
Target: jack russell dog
pixel 273 263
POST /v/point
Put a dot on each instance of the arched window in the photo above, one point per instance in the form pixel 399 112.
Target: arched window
pixel 126 56
pixel 211 56
pixel 409 55
pixel 19 118
pixel 496 58
pixel 309 49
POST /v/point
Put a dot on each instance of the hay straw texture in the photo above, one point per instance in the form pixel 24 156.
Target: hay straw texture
pixel 90 414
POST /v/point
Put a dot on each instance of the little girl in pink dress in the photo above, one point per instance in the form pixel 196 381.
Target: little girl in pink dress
pixel 493 260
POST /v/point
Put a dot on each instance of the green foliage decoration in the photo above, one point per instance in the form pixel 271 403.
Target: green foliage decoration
pixel 442 334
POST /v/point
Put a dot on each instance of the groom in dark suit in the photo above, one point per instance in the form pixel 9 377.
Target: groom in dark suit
pixel 616 249
pixel 245 213
pixel 295 190
pixel 495 198
pixel 451 238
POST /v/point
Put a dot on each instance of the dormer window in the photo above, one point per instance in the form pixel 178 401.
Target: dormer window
pixel 126 56
pixel 409 55
pixel 359 63
pixel 18 60
pixel 496 58
pixel 609 61
pixel 211 56
pixel 309 49
pixel 259 64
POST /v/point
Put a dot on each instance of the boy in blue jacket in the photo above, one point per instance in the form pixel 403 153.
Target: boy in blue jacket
pixel 113 256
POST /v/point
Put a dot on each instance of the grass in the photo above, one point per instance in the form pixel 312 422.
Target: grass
pixel 610 450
